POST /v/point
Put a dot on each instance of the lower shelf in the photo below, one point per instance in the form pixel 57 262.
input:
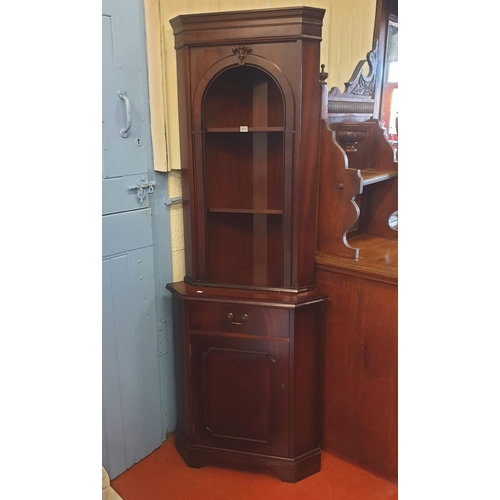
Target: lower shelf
pixel 286 469
pixel 378 258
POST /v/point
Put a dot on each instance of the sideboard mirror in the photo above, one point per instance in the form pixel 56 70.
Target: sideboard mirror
pixel 372 90
pixel 385 33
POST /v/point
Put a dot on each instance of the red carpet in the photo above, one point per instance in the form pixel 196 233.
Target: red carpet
pixel 164 476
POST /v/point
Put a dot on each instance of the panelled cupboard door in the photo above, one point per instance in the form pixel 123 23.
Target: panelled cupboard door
pixel 240 393
pixel 130 375
pixel 131 413
pixel 124 153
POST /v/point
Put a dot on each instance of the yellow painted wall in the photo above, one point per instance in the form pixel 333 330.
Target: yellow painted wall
pixel 347 37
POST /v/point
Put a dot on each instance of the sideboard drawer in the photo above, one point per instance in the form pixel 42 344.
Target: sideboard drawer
pixel 238 318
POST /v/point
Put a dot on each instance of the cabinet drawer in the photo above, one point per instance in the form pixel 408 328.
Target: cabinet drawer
pixel 239 318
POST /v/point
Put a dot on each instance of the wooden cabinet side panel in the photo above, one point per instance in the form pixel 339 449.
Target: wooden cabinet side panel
pixel 306 164
pixel 378 443
pixel 307 373
pixel 338 186
pixel 181 365
pixel 341 358
pixel 359 397
pixel 186 154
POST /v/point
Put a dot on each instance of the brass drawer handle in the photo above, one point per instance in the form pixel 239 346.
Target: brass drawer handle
pixel 244 317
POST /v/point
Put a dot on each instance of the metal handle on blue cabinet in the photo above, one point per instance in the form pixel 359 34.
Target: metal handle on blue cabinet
pixel 123 96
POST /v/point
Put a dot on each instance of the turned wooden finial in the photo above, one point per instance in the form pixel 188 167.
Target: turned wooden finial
pixel 323 75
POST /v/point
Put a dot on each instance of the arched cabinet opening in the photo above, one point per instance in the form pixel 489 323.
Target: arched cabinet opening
pixel 243 117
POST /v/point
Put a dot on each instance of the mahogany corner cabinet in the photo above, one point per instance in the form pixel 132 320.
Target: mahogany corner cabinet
pixel 247 315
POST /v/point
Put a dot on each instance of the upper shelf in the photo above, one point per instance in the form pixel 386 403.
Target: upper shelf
pixel 244 97
pixel 243 129
pixel 373 176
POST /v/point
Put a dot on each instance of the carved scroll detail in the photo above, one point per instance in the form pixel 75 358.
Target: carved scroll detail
pixel 360 84
pixel 358 98
pixel 242 53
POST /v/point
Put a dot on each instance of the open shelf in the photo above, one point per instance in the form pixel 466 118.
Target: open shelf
pixel 245 248
pixel 244 171
pixel 244 211
pixel 243 96
pixel 378 258
pixel 358 188
pixel 244 145
pixel 220 130
pixel 373 176
pixel 377 250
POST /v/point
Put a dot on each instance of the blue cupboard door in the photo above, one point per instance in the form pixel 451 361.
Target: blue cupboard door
pixel 124 151
pixel 131 413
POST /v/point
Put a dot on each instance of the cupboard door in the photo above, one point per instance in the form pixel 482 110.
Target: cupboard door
pixel 240 393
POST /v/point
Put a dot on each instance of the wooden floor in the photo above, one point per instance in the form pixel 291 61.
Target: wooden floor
pixel 164 476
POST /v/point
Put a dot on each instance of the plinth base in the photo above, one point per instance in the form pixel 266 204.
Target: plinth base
pixel 289 470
